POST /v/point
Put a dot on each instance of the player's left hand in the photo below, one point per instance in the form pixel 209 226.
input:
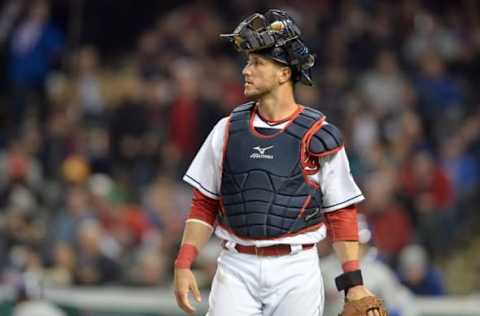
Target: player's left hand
pixel 358 292
pixel 184 283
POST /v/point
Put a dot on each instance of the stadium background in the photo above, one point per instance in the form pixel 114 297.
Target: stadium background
pixel 104 103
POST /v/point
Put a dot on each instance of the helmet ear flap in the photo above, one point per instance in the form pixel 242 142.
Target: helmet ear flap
pixel 302 75
pixel 306 76
pixel 301 61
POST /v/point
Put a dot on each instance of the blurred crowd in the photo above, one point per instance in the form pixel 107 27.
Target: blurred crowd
pixel 94 139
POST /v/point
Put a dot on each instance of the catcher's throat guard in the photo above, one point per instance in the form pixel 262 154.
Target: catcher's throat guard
pixel 276 36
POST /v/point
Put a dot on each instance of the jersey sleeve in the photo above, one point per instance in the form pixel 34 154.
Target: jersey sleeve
pixel 336 182
pixel 205 171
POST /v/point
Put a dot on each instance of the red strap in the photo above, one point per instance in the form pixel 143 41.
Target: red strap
pixel 310 163
pixel 186 256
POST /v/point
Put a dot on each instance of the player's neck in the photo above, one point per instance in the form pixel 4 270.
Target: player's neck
pixel 277 106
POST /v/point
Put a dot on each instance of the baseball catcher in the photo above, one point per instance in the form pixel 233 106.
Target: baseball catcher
pixel 271 180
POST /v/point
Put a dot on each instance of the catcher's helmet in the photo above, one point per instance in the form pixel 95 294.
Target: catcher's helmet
pixel 276 36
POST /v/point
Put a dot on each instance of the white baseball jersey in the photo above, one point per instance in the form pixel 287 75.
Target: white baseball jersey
pixel 336 182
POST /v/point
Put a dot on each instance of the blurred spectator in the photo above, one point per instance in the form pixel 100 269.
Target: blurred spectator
pixel 93 266
pixel 440 96
pixel 89 84
pixel 389 222
pixel 385 86
pixel 35 46
pixel 75 169
pixel 429 190
pixel 23 236
pixel 20 168
pixel 463 171
pixel 150 269
pixel 102 191
pixel 422 175
pixel 461 167
pixel 148 55
pixel 59 140
pixel 97 148
pixel 62 268
pixel 129 225
pixel 128 140
pixel 429 34
pixel 77 210
pixel 185 110
pixel 417 273
pixel 166 204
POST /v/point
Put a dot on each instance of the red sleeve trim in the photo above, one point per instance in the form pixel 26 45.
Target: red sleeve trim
pixel 203 208
pixel 342 224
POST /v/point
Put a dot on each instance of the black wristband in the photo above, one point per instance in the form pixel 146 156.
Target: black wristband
pixel 348 280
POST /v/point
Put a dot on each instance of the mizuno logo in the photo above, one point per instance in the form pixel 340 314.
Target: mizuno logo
pixel 261 150
pixel 260 154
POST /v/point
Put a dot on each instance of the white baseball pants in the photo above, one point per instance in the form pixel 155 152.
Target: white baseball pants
pixel 250 285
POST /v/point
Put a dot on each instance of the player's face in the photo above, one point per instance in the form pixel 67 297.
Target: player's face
pixel 261 76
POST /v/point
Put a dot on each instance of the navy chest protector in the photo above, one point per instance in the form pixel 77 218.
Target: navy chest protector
pixel 264 192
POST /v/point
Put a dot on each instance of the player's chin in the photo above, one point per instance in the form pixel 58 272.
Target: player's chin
pixel 250 92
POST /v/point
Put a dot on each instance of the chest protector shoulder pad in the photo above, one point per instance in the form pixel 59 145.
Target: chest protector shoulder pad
pixel 325 140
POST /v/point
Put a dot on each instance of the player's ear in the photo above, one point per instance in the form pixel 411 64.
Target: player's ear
pixel 285 74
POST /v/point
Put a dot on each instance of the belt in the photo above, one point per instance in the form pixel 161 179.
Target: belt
pixel 275 250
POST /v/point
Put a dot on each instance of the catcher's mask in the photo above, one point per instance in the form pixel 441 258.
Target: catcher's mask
pixel 276 36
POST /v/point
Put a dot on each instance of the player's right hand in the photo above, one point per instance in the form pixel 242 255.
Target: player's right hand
pixel 184 282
